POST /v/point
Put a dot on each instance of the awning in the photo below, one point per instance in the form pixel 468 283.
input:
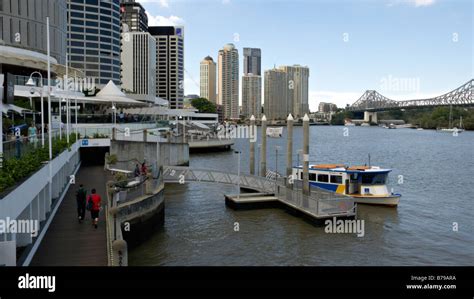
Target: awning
pixel 10 107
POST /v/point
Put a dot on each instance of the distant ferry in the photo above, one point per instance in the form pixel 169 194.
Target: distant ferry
pixel 366 184
pixel 275 132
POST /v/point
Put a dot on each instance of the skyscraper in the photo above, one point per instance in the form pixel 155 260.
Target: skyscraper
pixel 252 83
pixel 276 94
pixel 228 62
pixel 297 89
pixel 251 95
pixel 208 79
pixel 169 63
pixel 139 65
pixel 252 61
pixel 94 39
pixel 133 15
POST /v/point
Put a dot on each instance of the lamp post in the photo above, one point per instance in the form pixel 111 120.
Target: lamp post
pixel 114 109
pixel 238 173
pixel 31 83
pixel 277 148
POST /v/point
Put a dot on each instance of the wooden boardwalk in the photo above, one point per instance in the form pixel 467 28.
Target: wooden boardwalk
pixel 68 242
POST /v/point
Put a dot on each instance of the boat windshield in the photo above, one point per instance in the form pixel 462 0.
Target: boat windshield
pixel 374 179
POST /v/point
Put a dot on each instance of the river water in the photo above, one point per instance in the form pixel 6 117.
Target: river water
pixel 433 171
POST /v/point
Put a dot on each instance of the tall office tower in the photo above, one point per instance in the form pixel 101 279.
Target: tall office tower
pixel 133 15
pixel 252 83
pixel 139 65
pixel 169 64
pixel 228 62
pixel 251 95
pixel 297 89
pixel 208 79
pixel 252 61
pixel 276 94
pixel 94 39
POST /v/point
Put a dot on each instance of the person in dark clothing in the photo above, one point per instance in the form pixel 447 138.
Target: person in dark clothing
pixel 93 203
pixel 81 195
pixel 137 170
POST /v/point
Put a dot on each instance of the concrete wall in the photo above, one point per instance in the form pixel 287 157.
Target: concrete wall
pixel 128 152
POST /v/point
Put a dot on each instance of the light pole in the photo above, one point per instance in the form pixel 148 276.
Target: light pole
pixel 60 118
pixel 277 148
pixel 31 83
pixel 238 173
pixel 258 158
pixel 114 109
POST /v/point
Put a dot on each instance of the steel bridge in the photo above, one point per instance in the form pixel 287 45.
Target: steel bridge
pixel 373 101
pixel 318 204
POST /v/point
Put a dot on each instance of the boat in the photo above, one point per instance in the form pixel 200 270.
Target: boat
pixel 451 129
pixel 365 184
pixel 348 123
pixel 275 132
pixel 365 125
pixel 419 129
pixel 392 126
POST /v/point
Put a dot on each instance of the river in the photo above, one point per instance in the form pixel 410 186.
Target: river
pixel 433 171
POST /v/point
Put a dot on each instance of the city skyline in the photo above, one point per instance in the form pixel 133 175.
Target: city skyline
pixel 370 49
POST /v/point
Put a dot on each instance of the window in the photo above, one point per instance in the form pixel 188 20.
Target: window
pixel 312 177
pixel 323 178
pixel 336 179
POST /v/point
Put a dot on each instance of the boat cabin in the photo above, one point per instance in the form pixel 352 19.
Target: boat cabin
pixel 353 180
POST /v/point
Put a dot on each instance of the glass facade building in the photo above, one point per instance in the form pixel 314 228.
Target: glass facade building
pixel 94 39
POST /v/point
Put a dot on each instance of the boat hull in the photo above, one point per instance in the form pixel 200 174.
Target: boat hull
pixel 391 200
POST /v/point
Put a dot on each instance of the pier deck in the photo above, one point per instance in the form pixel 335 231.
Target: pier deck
pixel 68 242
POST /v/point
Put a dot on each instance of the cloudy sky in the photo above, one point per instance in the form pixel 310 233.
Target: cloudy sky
pixel 402 48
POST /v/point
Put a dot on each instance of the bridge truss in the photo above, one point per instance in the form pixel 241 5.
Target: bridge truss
pixel 371 100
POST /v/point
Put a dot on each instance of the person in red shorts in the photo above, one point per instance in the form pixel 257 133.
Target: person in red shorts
pixel 93 204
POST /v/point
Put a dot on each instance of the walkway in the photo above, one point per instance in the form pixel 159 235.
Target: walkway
pixel 68 243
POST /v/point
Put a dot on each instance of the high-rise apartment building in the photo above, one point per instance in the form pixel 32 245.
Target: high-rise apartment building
pixel 133 16
pixel 298 77
pixel 327 107
pixel 139 65
pixel 208 79
pixel 228 83
pixel 252 83
pixel 251 95
pixel 252 61
pixel 276 94
pixel 94 39
pixel 169 64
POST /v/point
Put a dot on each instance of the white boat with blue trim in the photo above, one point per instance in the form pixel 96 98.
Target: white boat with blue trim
pixel 365 184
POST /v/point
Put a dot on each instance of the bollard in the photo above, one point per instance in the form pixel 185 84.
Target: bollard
pixel 252 145
pixel 263 149
pixel 289 150
pixel 306 154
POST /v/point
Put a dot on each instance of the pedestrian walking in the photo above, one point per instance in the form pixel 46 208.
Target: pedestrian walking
pixel 93 205
pixel 81 195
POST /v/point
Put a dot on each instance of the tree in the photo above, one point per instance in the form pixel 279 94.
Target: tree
pixel 204 105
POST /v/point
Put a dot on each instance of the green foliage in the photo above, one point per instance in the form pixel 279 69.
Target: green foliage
pixel 340 115
pixel 111 159
pixel 204 105
pixel 14 170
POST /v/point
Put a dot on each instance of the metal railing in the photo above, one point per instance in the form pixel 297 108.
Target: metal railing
pixel 319 203
pixel 17 147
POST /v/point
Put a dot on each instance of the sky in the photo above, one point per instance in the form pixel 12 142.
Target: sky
pixel 404 49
